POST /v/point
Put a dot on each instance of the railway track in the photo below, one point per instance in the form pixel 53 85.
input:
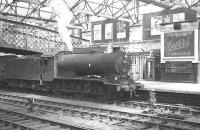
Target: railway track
pixel 12 120
pixel 163 107
pixel 137 119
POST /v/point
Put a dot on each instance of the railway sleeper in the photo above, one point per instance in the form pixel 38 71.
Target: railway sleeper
pixel 112 116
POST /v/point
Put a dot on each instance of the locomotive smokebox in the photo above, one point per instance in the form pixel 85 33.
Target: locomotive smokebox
pixel 92 64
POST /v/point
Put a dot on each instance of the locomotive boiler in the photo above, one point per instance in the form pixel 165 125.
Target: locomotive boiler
pixel 99 64
pixel 101 75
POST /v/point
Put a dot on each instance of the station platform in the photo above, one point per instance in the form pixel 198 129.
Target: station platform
pixel 170 92
pixel 171 86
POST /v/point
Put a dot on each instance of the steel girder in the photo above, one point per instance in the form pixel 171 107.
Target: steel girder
pixel 21 36
pixel 124 10
pixel 192 4
pixel 26 11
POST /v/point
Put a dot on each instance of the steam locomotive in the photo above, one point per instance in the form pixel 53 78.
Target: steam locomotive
pixel 97 74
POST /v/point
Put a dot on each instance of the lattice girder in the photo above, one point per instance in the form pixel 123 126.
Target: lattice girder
pixel 26 37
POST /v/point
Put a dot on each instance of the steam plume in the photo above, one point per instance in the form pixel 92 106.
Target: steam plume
pixel 109 48
pixel 64 16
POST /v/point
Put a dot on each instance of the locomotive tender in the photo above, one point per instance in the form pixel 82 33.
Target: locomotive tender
pixel 103 75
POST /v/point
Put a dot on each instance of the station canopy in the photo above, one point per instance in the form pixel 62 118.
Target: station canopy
pixel 40 13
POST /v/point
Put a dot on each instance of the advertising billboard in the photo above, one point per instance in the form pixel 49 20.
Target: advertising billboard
pixel 179 44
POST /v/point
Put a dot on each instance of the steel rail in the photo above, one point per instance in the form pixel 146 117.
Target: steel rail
pixel 193 110
pixel 107 114
pixel 14 119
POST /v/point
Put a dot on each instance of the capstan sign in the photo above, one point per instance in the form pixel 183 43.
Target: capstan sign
pixel 179 44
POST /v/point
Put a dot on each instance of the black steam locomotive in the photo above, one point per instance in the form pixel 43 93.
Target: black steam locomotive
pixel 102 75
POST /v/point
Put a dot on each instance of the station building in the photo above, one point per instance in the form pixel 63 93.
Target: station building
pixel 164 48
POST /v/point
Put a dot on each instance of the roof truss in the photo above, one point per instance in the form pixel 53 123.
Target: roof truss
pixel 26 10
pixel 125 10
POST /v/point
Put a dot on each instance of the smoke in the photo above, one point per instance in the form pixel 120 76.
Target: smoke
pixel 64 16
pixel 109 48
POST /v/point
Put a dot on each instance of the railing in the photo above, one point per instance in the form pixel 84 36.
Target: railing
pixel 139 65
pixel 32 38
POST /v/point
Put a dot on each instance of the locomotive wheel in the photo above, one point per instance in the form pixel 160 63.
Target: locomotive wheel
pixel 94 90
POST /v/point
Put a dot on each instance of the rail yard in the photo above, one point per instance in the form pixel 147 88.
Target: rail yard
pixel 99 65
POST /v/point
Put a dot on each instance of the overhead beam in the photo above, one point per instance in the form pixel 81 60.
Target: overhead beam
pixel 37 2
pixel 102 15
pixel 186 6
pixel 25 24
pixel 35 18
pixel 34 10
pixel 31 12
pixel 157 3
